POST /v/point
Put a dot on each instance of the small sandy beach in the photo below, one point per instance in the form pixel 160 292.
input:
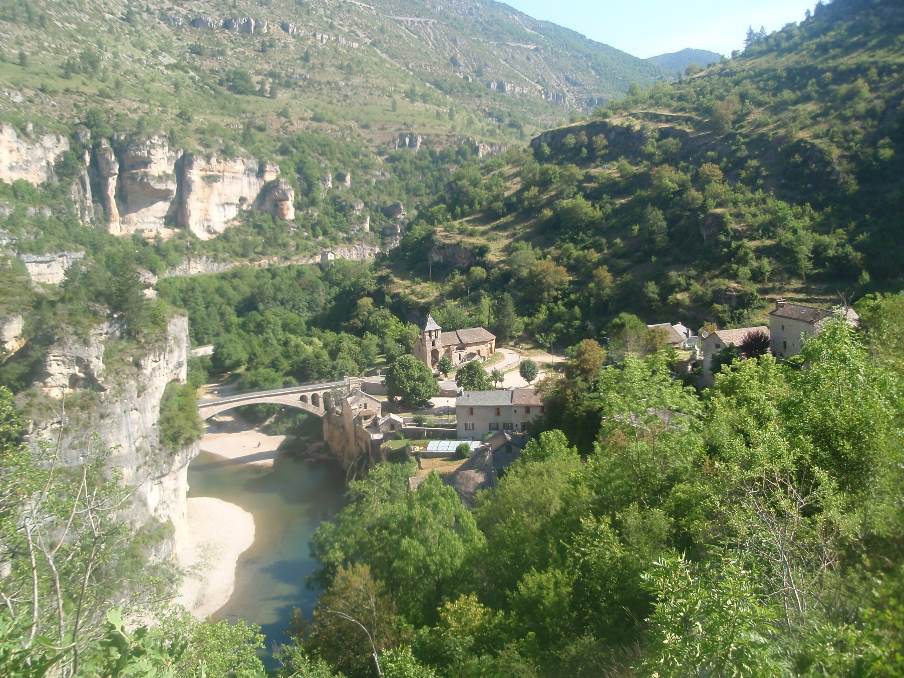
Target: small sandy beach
pixel 219 532
pixel 232 438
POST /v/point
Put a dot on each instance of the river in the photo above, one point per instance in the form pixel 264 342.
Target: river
pixel 288 501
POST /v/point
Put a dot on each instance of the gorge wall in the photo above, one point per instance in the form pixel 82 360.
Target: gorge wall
pixel 97 396
pixel 149 188
pixel 29 159
pixel 146 186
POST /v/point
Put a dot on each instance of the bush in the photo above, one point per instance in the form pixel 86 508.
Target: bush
pixel 180 424
pixel 463 451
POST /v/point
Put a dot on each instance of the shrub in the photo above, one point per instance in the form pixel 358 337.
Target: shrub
pixel 180 424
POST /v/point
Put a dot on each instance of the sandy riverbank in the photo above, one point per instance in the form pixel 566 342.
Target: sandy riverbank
pixel 219 532
pixel 234 439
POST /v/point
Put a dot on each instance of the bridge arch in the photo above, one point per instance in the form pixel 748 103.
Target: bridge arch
pixel 309 398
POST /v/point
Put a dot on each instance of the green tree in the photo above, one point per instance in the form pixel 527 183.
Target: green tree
pixel 473 377
pixel 411 381
pixel 416 542
pixel 497 377
pixel 507 325
pixel 354 622
pixel 585 360
pixel 528 370
pixel 710 622
pixel 180 423
pixel 444 366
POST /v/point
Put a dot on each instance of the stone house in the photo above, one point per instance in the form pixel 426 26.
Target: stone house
pixel 482 413
pixel 714 342
pixel 677 335
pixel 354 428
pixel 790 324
pixel 461 346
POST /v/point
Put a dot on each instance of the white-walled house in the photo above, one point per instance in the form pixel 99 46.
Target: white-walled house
pixel 481 413
pixel 790 324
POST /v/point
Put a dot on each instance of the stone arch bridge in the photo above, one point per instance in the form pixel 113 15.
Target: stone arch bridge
pixel 307 397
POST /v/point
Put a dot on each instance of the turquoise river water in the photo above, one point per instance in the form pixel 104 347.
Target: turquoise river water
pixel 288 501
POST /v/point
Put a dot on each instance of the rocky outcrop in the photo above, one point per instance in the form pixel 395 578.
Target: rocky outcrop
pixel 123 416
pixel 213 191
pixel 29 159
pixel 278 199
pixel 326 181
pixel 409 140
pixel 205 22
pixel 146 185
pixel 206 265
pixel 49 269
pixel 395 211
pixel 289 28
pixel 344 179
pixel 81 193
pixel 105 171
pixel 11 328
pixel 363 225
pixel 149 188
pixel 246 25
pixel 485 150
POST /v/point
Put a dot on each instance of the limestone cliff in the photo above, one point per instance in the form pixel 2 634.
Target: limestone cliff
pixel 213 191
pixel 118 405
pixel 49 269
pixel 146 185
pixel 29 159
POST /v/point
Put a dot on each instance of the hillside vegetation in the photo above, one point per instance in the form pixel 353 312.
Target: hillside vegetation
pixel 778 173
pixel 447 69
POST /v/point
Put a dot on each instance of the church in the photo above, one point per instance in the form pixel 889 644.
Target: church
pixel 461 346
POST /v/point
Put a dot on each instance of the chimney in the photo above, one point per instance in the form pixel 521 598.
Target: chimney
pixel 779 303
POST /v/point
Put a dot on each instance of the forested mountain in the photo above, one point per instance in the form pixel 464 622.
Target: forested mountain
pixel 778 173
pixel 464 68
pixel 678 62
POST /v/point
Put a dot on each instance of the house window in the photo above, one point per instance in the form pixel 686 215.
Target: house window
pixel 542 409
pixel 494 425
pixel 469 426
pixel 508 427
pixel 471 411
pixel 526 410
pixel 498 412
pixel 785 345
pixel 523 426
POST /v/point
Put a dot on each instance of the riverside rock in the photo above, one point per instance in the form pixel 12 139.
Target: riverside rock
pixel 124 418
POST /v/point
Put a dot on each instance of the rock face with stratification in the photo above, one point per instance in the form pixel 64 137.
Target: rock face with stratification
pixel 124 417
pixel 27 158
pixel 278 199
pixel 213 191
pixel 146 185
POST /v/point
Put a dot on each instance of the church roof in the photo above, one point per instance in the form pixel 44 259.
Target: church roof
pixel 468 337
pixel 431 324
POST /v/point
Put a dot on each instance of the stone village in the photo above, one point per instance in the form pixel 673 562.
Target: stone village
pixel 494 424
